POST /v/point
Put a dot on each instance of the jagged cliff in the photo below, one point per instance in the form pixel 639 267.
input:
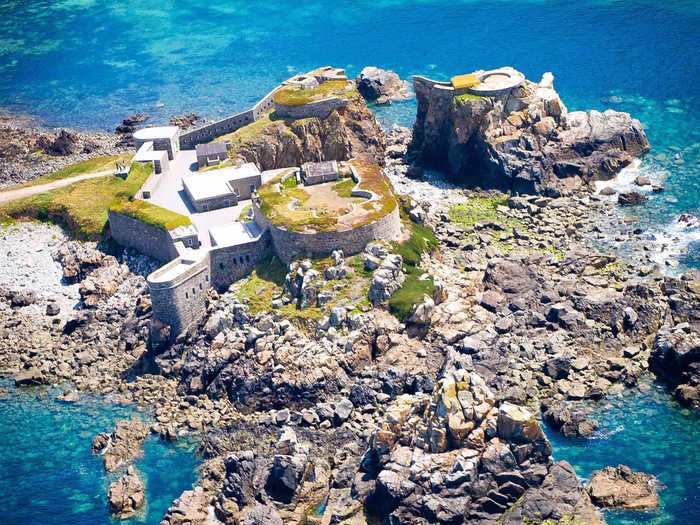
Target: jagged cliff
pixel 524 141
pixel 351 132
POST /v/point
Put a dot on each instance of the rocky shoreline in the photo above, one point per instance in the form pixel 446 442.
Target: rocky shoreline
pixel 431 420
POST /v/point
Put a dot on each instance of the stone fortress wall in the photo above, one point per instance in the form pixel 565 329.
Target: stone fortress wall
pixel 289 245
pixel 230 124
pixel 149 240
pixel 179 288
pixel 179 292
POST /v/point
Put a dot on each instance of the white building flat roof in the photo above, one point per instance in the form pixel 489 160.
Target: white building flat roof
pixel 211 184
pixel 234 233
pixel 146 153
pixel 158 132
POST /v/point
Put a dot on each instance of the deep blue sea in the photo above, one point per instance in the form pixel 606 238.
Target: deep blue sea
pixel 89 63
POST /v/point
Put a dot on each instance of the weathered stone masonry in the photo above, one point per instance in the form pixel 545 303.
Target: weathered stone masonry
pixel 230 124
pixel 181 300
pixel 149 240
pixel 289 245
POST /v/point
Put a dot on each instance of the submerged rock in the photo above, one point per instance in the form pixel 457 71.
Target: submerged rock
pixel 631 198
pixel 620 487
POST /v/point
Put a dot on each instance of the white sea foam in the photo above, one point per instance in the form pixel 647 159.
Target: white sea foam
pixel 624 181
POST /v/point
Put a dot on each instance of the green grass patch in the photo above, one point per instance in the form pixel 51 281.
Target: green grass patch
pixel 80 168
pixel 344 188
pixel 80 207
pixel 296 96
pixel 151 214
pixel 467 98
pixel 403 301
pixel 481 209
pixel 265 282
pixel 289 183
pixel 422 240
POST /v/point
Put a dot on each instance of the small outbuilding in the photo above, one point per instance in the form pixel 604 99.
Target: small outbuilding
pixel 211 153
pixel 221 188
pixel 319 172
pixel 164 138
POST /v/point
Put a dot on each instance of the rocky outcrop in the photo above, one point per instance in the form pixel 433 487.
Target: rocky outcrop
pixel 191 508
pixel 352 132
pixel 619 487
pixel 122 446
pixel 387 278
pixel 27 150
pixel 126 495
pixel 381 86
pixel 524 141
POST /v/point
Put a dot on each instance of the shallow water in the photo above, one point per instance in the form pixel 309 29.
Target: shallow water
pixel 648 432
pixel 87 63
pixel 49 475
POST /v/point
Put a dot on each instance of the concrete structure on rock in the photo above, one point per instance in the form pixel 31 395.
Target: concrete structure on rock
pixel 221 246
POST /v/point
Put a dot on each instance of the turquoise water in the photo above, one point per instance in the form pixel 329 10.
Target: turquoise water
pixel 48 474
pixel 88 63
pixel 648 432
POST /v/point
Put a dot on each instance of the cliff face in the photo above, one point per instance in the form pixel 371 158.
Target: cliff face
pixel 524 141
pixel 352 132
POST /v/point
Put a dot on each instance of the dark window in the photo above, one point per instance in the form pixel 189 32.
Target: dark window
pixel 187 296
pixel 200 286
pixel 247 258
pixel 221 266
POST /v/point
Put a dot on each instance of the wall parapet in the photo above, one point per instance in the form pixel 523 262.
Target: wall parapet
pixel 208 132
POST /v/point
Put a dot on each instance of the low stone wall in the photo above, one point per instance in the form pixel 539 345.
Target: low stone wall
pixel 180 301
pixel 149 240
pixel 289 245
pixel 230 124
pixel 318 109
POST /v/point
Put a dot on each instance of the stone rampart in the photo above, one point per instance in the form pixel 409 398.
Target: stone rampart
pixel 318 108
pixel 230 263
pixel 147 239
pixel 230 124
pixel 179 292
pixel 289 245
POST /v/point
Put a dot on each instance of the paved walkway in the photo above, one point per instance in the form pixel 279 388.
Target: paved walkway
pixel 20 193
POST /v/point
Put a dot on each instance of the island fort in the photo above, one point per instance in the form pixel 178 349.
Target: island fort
pixel 224 217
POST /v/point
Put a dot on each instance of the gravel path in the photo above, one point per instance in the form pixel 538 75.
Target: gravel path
pixel 11 195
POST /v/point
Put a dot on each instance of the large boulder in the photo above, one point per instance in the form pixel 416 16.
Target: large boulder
pixel 381 86
pixel 386 279
pixel 620 487
pixel 123 445
pixel 126 495
pixel 191 508
pixel 517 424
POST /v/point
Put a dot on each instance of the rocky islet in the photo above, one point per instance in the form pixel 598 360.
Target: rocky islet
pixel 357 414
